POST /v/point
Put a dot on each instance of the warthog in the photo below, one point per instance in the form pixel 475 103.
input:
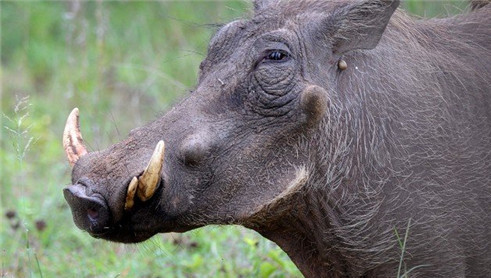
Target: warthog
pixel 329 127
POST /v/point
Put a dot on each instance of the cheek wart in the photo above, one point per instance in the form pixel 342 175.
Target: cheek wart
pixel 314 104
pixel 301 177
pixel 293 187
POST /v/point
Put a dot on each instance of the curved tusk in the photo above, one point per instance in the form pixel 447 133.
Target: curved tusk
pixel 73 142
pixel 149 180
pixel 130 195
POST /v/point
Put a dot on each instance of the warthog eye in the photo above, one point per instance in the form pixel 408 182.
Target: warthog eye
pixel 277 55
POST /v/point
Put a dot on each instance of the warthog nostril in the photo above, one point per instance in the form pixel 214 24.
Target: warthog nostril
pixel 92 214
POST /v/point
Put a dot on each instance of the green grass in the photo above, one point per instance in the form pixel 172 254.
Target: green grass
pixel 122 64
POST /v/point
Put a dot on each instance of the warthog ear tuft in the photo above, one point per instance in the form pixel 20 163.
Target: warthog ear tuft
pixel 358 25
pixel 261 4
pixel 314 103
pixel 476 4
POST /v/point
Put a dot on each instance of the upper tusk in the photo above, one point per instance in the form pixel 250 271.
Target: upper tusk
pixel 149 180
pixel 73 142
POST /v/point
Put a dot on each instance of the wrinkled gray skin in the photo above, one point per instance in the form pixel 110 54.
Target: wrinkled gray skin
pixel 327 163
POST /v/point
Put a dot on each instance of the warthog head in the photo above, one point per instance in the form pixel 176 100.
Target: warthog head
pixel 248 138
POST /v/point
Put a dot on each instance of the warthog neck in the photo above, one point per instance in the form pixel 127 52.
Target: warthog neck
pixel 322 242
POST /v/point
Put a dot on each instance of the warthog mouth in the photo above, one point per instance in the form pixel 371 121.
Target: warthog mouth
pixel 91 213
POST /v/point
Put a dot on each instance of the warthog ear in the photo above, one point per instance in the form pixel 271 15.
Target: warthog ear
pixel 358 25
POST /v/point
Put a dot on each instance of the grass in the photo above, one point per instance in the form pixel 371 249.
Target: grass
pixel 122 64
pixel 402 271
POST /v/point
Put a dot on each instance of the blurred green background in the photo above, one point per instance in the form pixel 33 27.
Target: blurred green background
pixel 122 64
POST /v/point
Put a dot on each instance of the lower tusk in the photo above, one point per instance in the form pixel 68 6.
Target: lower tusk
pixel 149 180
pixel 130 195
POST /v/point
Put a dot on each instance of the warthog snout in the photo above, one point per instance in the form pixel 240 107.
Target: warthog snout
pixel 144 186
pixel 90 213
